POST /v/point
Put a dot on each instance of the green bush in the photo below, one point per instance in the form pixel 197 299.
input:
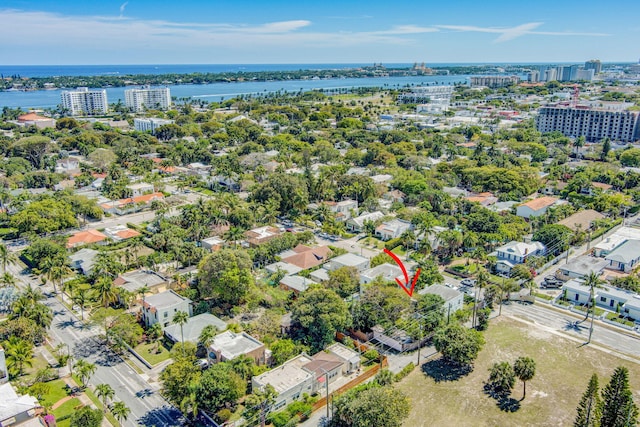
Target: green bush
pixel 405 371
pixel 371 355
pixel 279 419
pixel 393 243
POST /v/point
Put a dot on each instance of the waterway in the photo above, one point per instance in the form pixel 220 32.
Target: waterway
pixel 220 91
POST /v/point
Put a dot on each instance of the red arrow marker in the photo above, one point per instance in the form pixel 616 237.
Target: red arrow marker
pixel 404 286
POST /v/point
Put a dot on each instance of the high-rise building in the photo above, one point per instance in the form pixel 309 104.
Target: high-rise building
pixel 533 76
pixel 594 65
pixel 594 124
pixel 83 101
pixel 494 82
pixel 584 74
pixel 149 98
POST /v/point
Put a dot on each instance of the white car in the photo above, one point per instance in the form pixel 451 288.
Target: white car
pixel 468 282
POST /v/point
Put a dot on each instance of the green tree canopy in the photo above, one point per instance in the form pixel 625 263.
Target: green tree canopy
pixel 370 406
pixel 458 344
pixel 226 275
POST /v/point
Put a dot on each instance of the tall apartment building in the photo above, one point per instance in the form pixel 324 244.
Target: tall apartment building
pixel 83 101
pixel 151 98
pixel 494 82
pixel 436 98
pixel 594 65
pixel 594 124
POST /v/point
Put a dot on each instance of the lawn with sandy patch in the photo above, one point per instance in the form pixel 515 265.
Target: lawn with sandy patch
pixel 563 369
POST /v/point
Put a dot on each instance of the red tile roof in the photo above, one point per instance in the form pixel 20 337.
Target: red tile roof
pixel 85 237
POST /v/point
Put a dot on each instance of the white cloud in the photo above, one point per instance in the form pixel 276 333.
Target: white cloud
pixel 122 6
pixel 510 33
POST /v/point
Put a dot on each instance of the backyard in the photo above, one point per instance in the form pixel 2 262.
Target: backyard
pixel 563 369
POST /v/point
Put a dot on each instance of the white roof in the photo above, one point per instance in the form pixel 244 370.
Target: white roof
pixel 386 270
pixel 521 249
pixel 139 186
pixel 611 242
pixel 12 404
pixel 625 253
pixel 349 260
pixel 297 283
pixel 194 326
pixel 287 376
pixel 232 345
pixel 165 299
pixel 445 292
pixel 373 216
pixel 284 266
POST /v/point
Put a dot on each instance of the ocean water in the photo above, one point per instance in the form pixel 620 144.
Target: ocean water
pixel 222 91
pixel 98 70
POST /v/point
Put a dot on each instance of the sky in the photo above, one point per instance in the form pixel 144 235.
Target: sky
pixel 73 32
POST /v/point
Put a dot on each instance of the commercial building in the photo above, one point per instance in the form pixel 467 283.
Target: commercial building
pixel 83 101
pixel 150 124
pixel 434 98
pixel 494 82
pixel 594 65
pixel 594 124
pixel 147 98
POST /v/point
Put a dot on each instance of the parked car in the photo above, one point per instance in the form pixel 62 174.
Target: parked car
pixel 468 282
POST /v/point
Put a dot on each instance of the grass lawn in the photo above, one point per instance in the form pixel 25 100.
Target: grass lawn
pixel 38 363
pixel 147 351
pixel 563 369
pixel 57 391
pixel 67 408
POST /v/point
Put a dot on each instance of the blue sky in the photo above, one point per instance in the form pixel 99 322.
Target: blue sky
pixel 303 31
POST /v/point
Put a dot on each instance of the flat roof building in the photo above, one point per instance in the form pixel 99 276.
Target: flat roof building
pixel 84 101
pixel 147 98
pixel 229 345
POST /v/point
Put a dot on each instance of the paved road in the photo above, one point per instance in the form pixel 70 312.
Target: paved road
pixel 148 408
pixel 560 322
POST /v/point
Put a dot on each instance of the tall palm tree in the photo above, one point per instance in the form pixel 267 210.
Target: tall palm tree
pixel 19 353
pixel 105 290
pixel 104 393
pixel 6 257
pixel 180 318
pixel 592 281
pixel 120 411
pixel 81 296
pixel 233 235
pixel 207 336
pixel 84 370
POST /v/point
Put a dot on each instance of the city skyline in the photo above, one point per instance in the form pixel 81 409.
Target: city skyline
pixel 251 32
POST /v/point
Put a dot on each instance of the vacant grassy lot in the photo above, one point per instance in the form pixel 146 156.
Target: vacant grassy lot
pixel 148 351
pixel 563 369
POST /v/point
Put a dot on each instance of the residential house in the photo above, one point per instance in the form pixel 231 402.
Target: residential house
pixel 290 381
pixel 343 209
pixel 616 239
pixel 33 119
pixel 261 235
pixel 87 237
pixel 297 284
pixel 319 275
pixel 536 207
pixel 130 204
pixel 140 189
pixel 396 339
pixel 283 267
pixel 17 410
pixel 229 345
pixel 453 299
pixel 65 184
pixel 307 257
pixel 553 188
pixel 388 273
pixel 67 165
pixel 133 281
pixel 516 253
pixel 581 267
pixel 485 199
pixel 382 179
pixel 610 298
pixel 392 229
pixel 347 260
pixel 581 221
pixel 394 196
pixel 356 225
pixel 121 232
pixel 625 257
pixel 160 308
pixel 212 244
pixel 193 328
pixel 83 260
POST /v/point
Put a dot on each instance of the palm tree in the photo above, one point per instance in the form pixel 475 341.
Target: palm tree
pixel 84 370
pixel 154 333
pixel 120 411
pixel 207 336
pixel 104 393
pixel 233 235
pixel 180 318
pixel 80 296
pixel 7 279
pixel 19 353
pixel 6 257
pixel 592 281
pixel 525 369
pixel 105 290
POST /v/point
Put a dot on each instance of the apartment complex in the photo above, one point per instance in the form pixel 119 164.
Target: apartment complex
pixel 151 98
pixel 436 98
pixel 494 82
pixel 594 124
pixel 150 124
pixel 83 101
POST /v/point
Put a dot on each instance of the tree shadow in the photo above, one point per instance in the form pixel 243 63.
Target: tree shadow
pixel 163 416
pixel 443 370
pixel 503 399
pixel 86 347
pixel 573 325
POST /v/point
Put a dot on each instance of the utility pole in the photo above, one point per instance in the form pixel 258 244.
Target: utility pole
pixel 593 312
pixel 419 341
